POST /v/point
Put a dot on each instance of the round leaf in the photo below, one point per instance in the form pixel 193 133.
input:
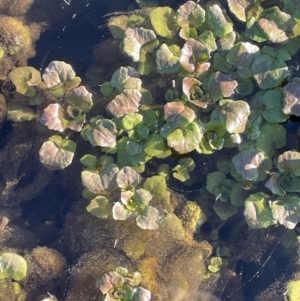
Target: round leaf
pixel 56 153
pixel 12 266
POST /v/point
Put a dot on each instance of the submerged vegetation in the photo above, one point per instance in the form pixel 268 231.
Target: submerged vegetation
pixel 200 82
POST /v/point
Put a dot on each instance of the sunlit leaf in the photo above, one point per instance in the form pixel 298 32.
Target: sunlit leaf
pixel 98 181
pixel 126 78
pixel 12 266
pixel 185 140
pixel 100 207
pixel 57 73
pixel 20 113
pixel 217 20
pixel 120 212
pixel 221 85
pixel 148 219
pixel 136 39
pixel 257 212
pixel 166 61
pixel 57 153
pixel 242 56
pixel 268 72
pixel 247 163
pixel 125 103
pixel 193 54
pixel 291 98
pixel 190 14
pixel 233 115
pixel 127 176
pixel 289 161
pixel 239 8
pixel 163 20
pixel 80 98
pixel 100 132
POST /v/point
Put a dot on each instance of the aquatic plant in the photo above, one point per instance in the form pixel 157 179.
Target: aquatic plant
pixel 197 85
pixel 12 266
pixel 124 286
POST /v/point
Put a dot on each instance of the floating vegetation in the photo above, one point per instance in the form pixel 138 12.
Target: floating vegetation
pixel 197 87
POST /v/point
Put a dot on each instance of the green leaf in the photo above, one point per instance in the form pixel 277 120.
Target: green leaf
pixel 181 170
pixel 239 8
pixel 88 161
pixel 208 39
pixel 25 79
pixel 220 86
pixel 12 266
pixel 273 136
pixel 100 206
pixel 214 180
pixel 157 186
pixel 155 146
pixel 148 219
pixel 217 21
pixel 268 72
pixel 253 30
pixel 20 113
pixel 185 140
pixel 242 56
pixel 166 60
pixel 106 89
pixel 133 148
pixel 293 290
pixel 117 26
pixel 132 120
pixel 163 20
pixel 124 158
pixel 257 212
pixel 126 78
pixel 272 99
pixel 80 98
pixel 141 198
pixel 238 194
pixel 224 210
pixel 190 14
pixel 215 264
